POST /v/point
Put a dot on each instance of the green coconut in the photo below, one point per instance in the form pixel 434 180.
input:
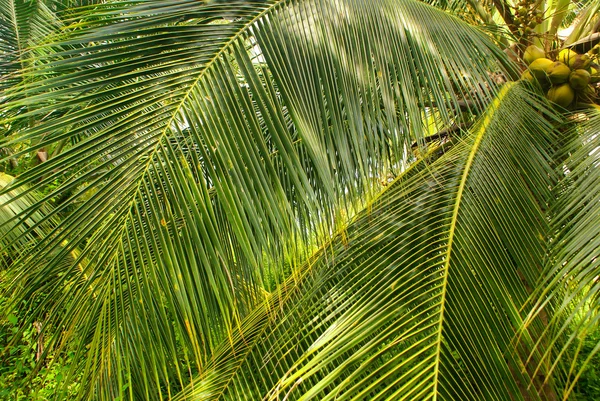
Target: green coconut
pixel 580 62
pixel 538 68
pixel 562 95
pixel 566 55
pixel 594 74
pixel 588 95
pixel 526 76
pixel 558 72
pixel 532 53
pixel 579 79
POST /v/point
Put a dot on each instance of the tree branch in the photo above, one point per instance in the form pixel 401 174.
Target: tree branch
pixel 504 10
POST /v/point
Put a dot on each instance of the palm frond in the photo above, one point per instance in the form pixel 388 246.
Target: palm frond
pixel 23 25
pixel 585 25
pixel 221 140
pixel 420 297
pixel 570 286
pixel 19 236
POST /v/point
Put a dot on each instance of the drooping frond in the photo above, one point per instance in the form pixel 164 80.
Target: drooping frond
pixel 570 285
pixel 420 297
pixel 471 10
pixel 585 27
pixel 23 25
pixel 218 141
pixel 19 236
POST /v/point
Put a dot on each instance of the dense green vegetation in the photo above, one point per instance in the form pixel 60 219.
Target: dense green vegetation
pixel 299 199
pixel 20 376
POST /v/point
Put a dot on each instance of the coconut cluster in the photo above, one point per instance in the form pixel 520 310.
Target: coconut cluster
pixel 527 16
pixel 568 79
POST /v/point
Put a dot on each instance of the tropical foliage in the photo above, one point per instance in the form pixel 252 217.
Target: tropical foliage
pixel 295 199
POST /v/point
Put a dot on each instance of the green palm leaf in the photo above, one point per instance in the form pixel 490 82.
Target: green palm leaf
pixel 570 286
pixel 24 25
pixel 420 298
pixel 224 143
pixel 20 236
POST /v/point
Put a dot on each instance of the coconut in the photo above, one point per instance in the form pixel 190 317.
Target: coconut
pixel 558 72
pixel 526 76
pixel 566 55
pixel 562 95
pixel 588 95
pixel 594 74
pixel 538 68
pixel 580 62
pixel 579 79
pixel 532 53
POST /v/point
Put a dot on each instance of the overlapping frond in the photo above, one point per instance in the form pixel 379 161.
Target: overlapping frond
pixel 218 141
pixel 23 25
pixel 19 236
pixel 570 285
pixel 420 297
pixel 585 26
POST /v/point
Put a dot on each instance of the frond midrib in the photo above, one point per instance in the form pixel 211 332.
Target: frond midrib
pixel 19 51
pixel 292 282
pixel 454 220
pixel 137 192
